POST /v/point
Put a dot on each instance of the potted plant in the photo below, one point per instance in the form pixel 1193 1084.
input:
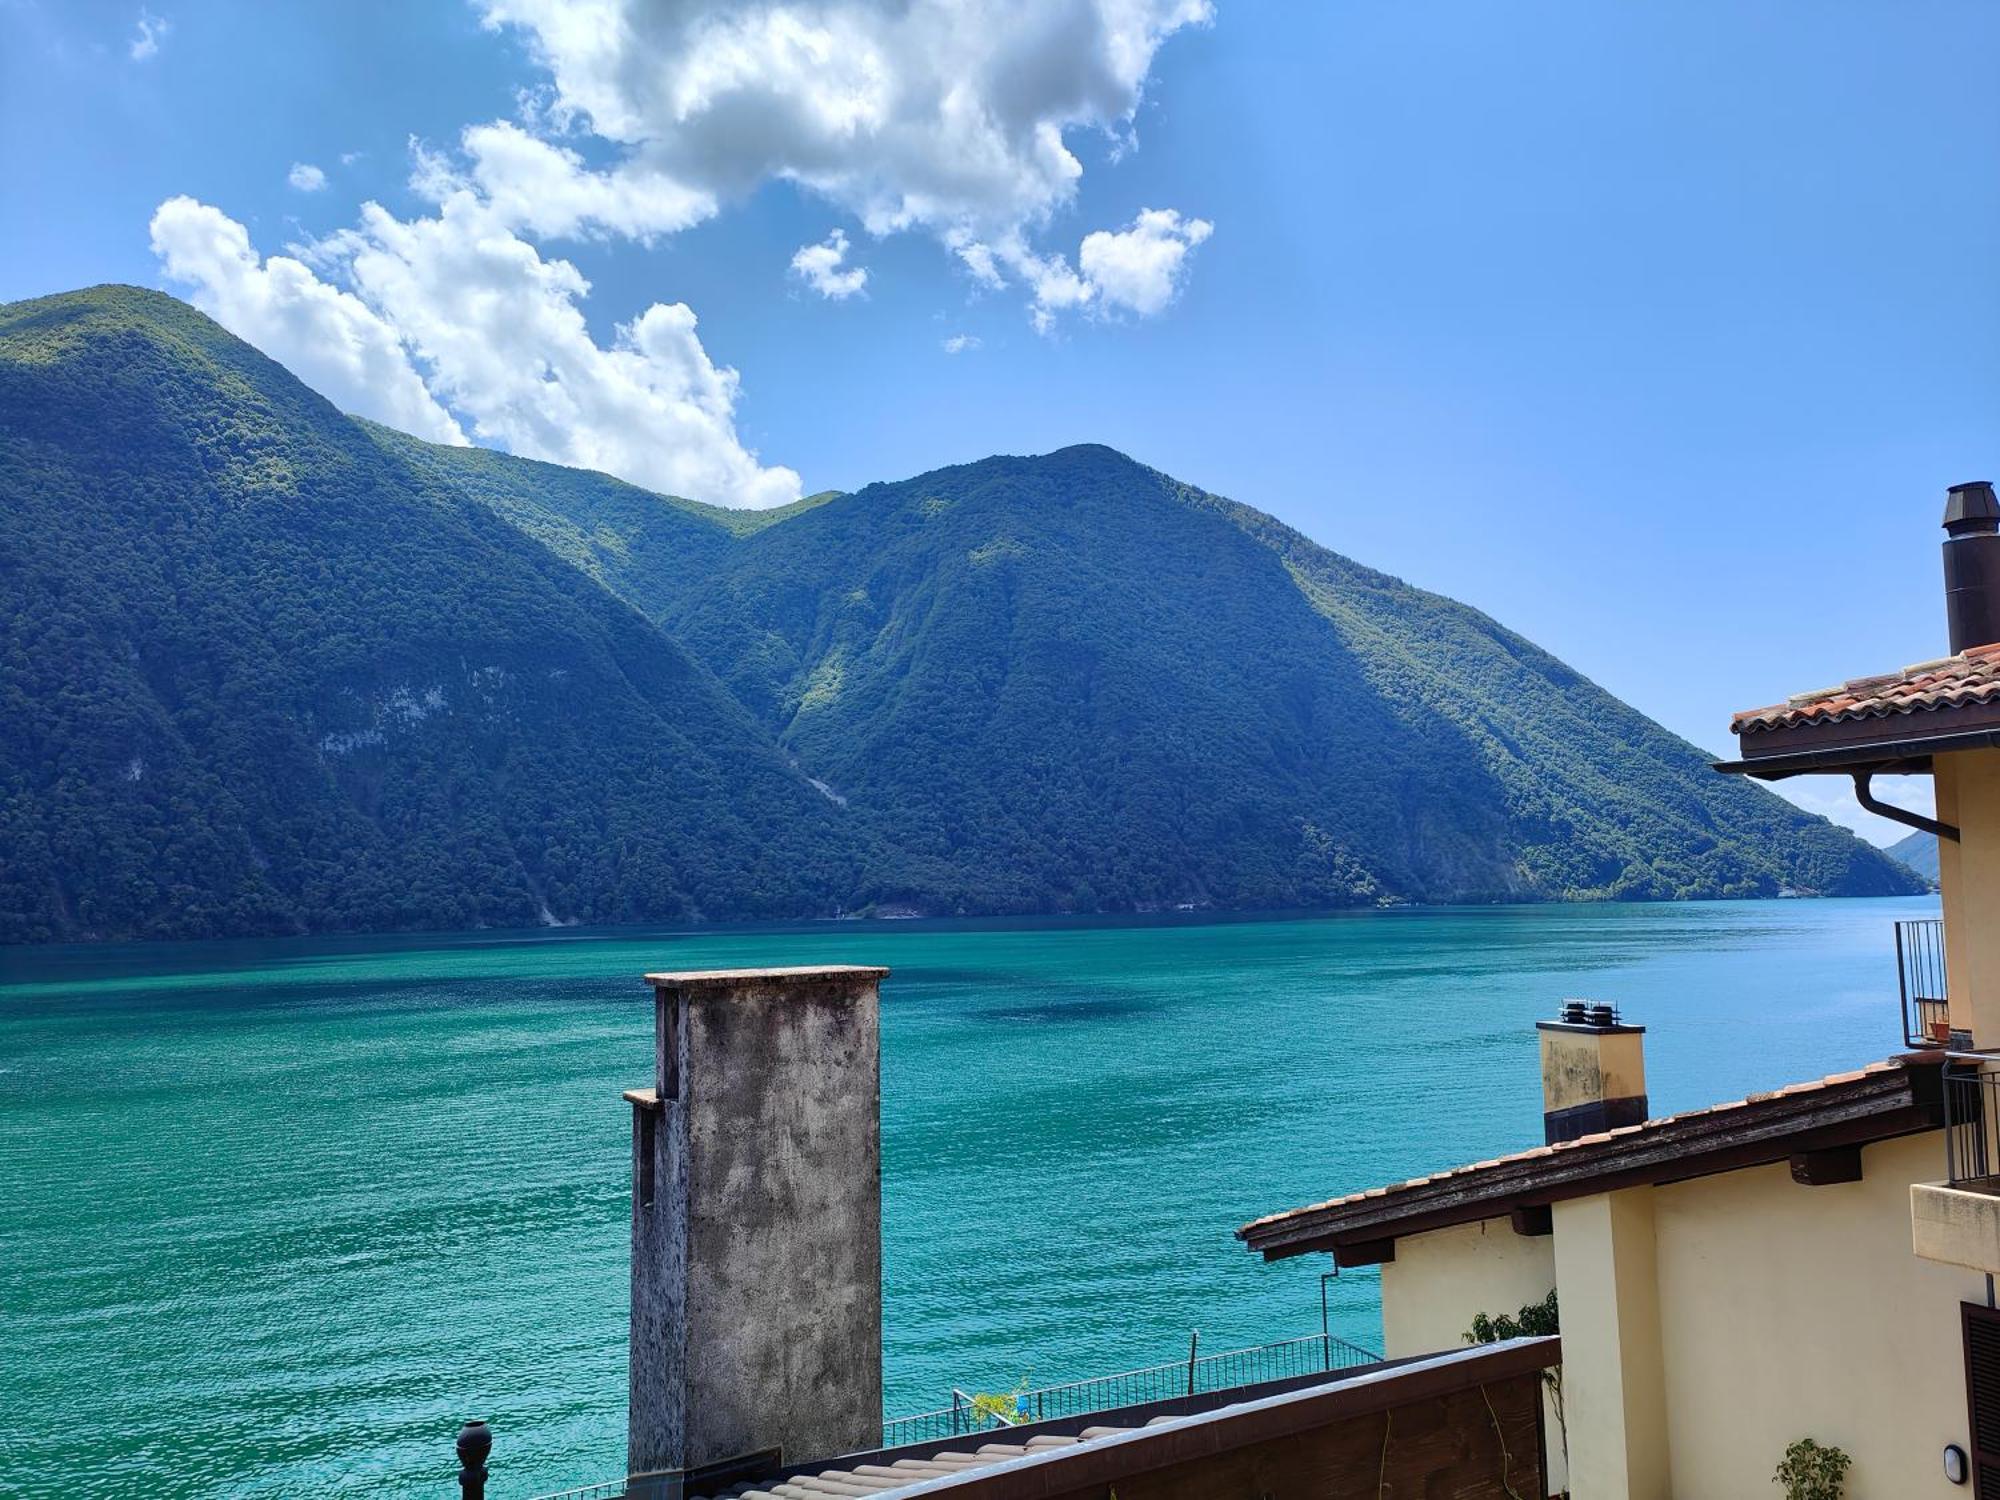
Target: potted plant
pixel 1812 1472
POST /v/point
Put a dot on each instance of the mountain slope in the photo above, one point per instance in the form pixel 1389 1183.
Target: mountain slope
pixel 1071 681
pixel 258 674
pixel 1919 851
pixel 266 668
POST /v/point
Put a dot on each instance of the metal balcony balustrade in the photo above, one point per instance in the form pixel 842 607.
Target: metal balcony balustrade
pixel 1920 973
pixel 1184 1377
pixel 1971 1111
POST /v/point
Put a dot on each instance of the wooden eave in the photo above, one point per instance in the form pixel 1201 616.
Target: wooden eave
pixel 1893 745
pixel 1877 1105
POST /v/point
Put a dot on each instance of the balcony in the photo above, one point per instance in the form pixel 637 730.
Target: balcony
pixel 1957 1221
pixel 1920 974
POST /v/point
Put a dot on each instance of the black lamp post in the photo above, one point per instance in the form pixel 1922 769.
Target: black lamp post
pixel 475 1441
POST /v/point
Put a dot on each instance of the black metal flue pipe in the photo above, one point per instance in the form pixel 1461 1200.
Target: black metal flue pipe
pixel 1972 565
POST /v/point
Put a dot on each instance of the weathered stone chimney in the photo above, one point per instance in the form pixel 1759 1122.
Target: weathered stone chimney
pixel 1972 565
pixel 757 1219
pixel 1593 1072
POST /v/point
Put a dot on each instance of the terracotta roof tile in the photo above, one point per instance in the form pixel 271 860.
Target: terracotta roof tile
pixel 1971 677
pixel 1584 1142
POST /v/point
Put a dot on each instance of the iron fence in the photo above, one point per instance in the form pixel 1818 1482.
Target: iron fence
pixel 661 1486
pixel 1971 1106
pixel 1192 1376
pixel 1920 974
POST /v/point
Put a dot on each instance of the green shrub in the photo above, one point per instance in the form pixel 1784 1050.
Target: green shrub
pixel 1811 1472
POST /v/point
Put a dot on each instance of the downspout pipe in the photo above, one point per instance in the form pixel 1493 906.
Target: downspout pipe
pixel 1864 794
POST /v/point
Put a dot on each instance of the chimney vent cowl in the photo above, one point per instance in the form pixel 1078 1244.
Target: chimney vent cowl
pixel 1971 509
pixel 1972 565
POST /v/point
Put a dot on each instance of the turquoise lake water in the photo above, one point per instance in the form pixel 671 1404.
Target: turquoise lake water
pixel 278 1215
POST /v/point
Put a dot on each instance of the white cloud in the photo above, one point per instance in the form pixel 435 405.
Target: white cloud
pixel 961 343
pixel 327 337
pixel 499 329
pixel 306 178
pixel 823 268
pixel 531 184
pixel 147 34
pixel 1140 267
pixel 498 335
pixel 947 116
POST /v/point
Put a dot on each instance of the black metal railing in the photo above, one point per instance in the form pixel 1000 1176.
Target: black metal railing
pixel 1196 1374
pixel 1920 974
pixel 1971 1108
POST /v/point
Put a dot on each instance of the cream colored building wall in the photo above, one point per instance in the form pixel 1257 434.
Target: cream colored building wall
pixel 1968 797
pixel 1439 1281
pixel 1614 1388
pixel 1791 1311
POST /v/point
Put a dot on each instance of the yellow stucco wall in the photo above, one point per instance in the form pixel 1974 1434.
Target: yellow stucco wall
pixel 1708 1324
pixel 1439 1281
pixel 1968 796
pixel 1790 1311
pixel 1614 1388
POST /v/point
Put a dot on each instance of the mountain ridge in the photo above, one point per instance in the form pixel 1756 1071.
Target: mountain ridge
pixel 1042 683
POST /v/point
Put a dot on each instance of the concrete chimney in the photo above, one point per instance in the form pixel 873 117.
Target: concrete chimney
pixel 1593 1072
pixel 757 1219
pixel 1972 565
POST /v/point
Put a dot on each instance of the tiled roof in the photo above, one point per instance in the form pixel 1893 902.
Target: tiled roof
pixel 1138 1440
pixel 893 1477
pixel 1971 677
pixel 1611 1146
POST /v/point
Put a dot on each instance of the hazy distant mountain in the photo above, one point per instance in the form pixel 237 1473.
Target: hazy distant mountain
pixel 266 667
pixel 1920 852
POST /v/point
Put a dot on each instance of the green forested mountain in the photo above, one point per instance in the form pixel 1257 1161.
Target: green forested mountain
pixel 264 667
pixel 1919 851
pixel 1071 680
pixel 258 675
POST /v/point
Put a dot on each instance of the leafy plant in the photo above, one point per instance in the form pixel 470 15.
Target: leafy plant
pixel 1536 1320
pixel 1812 1472
pixel 1003 1407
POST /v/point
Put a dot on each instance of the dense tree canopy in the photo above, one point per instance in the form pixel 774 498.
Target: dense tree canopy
pixel 267 668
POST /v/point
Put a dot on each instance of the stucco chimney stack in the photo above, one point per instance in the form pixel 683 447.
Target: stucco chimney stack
pixel 757 1219
pixel 1972 565
pixel 1593 1071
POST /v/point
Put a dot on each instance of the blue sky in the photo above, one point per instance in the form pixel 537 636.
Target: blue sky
pixel 1654 330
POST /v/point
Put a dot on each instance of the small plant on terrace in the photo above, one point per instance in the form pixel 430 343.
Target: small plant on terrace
pixel 1812 1472
pixel 1536 1320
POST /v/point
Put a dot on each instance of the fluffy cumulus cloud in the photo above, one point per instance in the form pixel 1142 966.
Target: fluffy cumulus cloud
pixel 947 116
pixel 306 178
pixel 501 332
pixel 330 338
pixel 942 117
pixel 960 343
pixel 1139 268
pixel 824 268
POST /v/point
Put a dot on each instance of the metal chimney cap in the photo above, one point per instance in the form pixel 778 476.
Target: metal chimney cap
pixel 1970 509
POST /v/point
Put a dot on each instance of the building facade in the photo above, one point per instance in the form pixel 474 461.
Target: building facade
pixel 1814 1262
